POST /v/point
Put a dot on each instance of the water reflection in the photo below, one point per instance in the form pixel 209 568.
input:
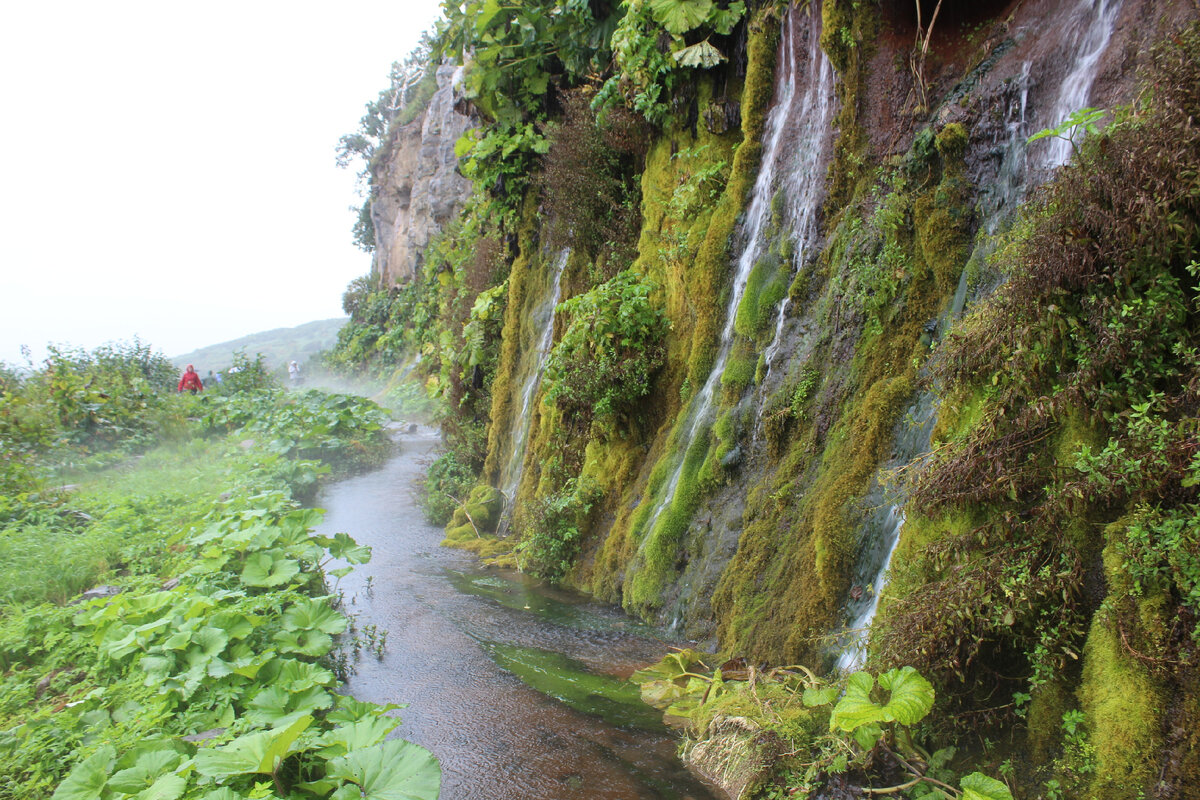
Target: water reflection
pixel 518 689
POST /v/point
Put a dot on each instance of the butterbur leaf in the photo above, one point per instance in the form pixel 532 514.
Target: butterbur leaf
pixel 910 700
pixel 701 55
pixel 912 695
pixel 254 753
pixel 820 697
pixel 87 779
pixel 868 735
pixel 166 787
pixel 351 710
pixel 661 694
pixel 314 614
pixel 308 643
pixel 267 569
pixel 978 786
pixel 343 547
pixel 394 770
pixel 143 773
pixel 680 16
pixel 357 735
pixel 297 676
pixel 856 707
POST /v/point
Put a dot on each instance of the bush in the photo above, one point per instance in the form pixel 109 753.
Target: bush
pixel 609 352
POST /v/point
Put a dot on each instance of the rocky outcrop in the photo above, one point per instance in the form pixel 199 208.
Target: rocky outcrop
pixel 420 188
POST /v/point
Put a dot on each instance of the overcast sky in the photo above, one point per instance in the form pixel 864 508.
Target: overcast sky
pixel 167 169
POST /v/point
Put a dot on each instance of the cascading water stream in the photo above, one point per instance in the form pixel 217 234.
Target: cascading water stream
pixel 542 320
pixel 804 185
pixel 797 134
pixel 1090 31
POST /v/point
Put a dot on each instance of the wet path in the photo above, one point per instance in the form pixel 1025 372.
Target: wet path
pixel 466 646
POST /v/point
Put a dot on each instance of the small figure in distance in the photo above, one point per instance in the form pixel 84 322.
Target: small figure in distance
pixel 190 381
pixel 294 374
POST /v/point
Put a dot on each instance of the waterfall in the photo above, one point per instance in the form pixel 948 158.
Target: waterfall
pixel 796 139
pixel 542 321
pixel 803 186
pixel 1089 31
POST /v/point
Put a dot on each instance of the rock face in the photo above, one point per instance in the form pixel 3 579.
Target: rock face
pixel 420 187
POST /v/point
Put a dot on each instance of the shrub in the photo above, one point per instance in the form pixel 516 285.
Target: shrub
pixel 609 352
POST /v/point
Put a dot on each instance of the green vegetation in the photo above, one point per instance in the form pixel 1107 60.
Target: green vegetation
pixel 607 356
pixel 1079 460
pixel 204 660
pixel 809 735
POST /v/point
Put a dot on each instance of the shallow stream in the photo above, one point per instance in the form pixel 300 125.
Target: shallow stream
pixel 517 688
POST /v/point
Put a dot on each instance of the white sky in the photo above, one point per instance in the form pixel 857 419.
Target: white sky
pixel 167 169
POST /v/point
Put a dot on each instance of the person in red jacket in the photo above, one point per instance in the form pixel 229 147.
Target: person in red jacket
pixel 190 381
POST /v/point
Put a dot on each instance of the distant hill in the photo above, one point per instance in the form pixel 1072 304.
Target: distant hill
pixel 278 346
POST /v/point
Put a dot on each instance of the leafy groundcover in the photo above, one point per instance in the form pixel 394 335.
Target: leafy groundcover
pixel 206 665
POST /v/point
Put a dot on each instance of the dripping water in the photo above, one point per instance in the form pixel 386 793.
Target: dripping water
pixel 1090 30
pixel 543 321
pixel 797 134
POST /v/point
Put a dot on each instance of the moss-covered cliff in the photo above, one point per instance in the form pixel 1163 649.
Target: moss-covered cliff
pixel 826 298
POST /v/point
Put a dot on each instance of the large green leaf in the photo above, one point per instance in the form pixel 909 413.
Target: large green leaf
pixel 680 16
pixel 978 786
pixel 356 735
pixel 145 771
pixel 269 568
pixel 314 614
pixel 701 55
pixel 165 787
pixel 297 676
pixel 275 706
pixel 342 545
pixel 309 643
pixel 351 710
pixel 254 753
pixel 856 707
pixel 394 770
pixel 911 698
pixel 87 779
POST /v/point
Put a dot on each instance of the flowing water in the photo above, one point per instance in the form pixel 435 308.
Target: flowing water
pixel 1086 36
pixel 798 132
pixel 541 321
pixel 518 689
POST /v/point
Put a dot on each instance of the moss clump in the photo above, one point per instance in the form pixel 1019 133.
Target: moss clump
pixel 1124 704
pixel 479 514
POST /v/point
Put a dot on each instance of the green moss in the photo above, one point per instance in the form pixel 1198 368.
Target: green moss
pixel 1124 705
pixel 480 512
pixel 504 384
pixel 765 287
pixel 658 554
pixel 739 370
pixel 1044 720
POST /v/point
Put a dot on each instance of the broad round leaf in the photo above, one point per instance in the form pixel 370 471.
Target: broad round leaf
pixel 978 786
pixel 313 614
pixel 680 16
pixel 308 643
pixel 88 778
pixel 912 695
pixel 394 770
pixel 267 569
pixel 856 708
